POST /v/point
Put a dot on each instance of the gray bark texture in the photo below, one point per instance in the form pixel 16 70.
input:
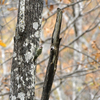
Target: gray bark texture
pixel 52 64
pixel 26 41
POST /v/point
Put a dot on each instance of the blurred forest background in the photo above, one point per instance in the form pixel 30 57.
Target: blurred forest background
pixel 78 69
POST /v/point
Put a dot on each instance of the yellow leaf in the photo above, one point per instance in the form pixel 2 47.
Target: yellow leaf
pixel 2 44
pixel 91 83
pixel 51 7
pixel 7 3
pixel 69 0
pixel 11 9
pixel 99 26
pixel 46 1
pixel 3 1
pixel 79 89
pixel 7 88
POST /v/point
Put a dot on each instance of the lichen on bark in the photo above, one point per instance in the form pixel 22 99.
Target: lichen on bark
pixel 26 41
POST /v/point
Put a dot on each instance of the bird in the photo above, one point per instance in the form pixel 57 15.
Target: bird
pixel 37 53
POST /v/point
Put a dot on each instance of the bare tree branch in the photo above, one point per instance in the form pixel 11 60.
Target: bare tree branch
pixel 52 65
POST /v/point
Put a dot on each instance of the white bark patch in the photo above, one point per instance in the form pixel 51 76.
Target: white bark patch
pixel 28 94
pixel 19 86
pixel 21 78
pixel 17 78
pixel 33 66
pixel 37 34
pixel 28 56
pixel 13 97
pixel 26 44
pixel 32 73
pixel 35 25
pixel 14 54
pixel 20 59
pixel 33 84
pixel 17 35
pixel 32 35
pixel 16 69
pixel 22 16
pixel 27 41
pixel 15 58
pixel 32 93
pixel 33 78
pixel 40 20
pixel 26 79
pixel 21 96
pixel 19 63
pixel 32 47
pixel 23 82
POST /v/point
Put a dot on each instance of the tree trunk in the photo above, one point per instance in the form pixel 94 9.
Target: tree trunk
pixel 77 45
pixel 26 41
pixel 52 64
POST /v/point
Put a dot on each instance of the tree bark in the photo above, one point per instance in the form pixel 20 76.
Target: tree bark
pixel 77 45
pixel 52 65
pixel 26 41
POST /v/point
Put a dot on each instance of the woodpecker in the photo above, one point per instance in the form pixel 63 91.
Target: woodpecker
pixel 37 53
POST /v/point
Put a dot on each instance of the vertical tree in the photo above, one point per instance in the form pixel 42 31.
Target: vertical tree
pixel 52 64
pixel 77 9
pixel 26 42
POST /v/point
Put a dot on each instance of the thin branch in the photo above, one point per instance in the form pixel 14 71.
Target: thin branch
pixel 3 94
pixel 83 72
pixel 67 5
pixel 81 35
pixel 6 61
pixel 82 53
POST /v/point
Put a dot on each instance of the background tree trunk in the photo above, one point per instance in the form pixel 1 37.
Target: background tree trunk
pixel 26 41
pixel 77 9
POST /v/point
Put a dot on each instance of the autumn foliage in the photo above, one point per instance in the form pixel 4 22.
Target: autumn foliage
pixel 78 64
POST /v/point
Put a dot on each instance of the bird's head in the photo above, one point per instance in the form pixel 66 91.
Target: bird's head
pixel 40 47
